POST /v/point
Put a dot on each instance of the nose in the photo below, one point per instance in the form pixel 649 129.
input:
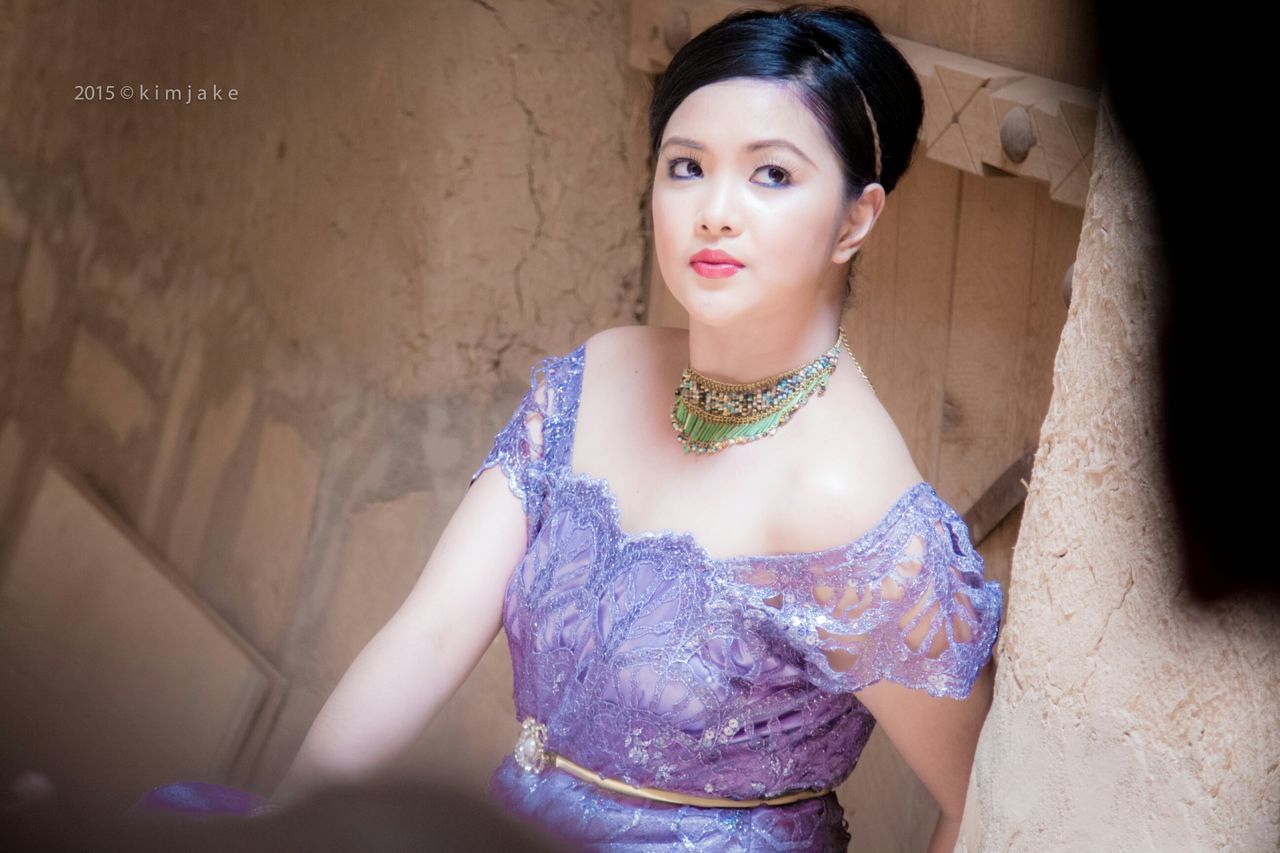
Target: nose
pixel 720 207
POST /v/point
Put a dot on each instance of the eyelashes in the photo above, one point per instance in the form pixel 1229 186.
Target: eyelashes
pixel 771 165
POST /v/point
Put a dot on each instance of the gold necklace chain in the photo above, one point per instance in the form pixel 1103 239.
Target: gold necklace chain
pixel 709 415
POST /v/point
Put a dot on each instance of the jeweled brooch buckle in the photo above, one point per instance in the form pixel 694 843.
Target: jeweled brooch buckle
pixel 530 751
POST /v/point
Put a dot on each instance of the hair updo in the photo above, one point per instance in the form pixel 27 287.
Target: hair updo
pixel 861 89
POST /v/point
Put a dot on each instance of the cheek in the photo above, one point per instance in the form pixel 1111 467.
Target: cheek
pixel 667 246
pixel 798 233
pixel 663 209
pixel 666 221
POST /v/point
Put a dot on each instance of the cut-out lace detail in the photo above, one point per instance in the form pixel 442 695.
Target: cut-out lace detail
pixel 909 603
pixel 520 447
pixel 655 663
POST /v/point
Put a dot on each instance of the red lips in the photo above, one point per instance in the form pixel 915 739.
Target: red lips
pixel 714 256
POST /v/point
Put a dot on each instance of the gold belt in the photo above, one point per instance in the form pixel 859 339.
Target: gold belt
pixel 531 754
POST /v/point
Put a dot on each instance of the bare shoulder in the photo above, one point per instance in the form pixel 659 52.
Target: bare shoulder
pixel 617 362
pixel 866 467
pixel 635 334
pixel 606 346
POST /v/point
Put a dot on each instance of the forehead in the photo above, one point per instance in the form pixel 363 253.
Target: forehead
pixel 731 112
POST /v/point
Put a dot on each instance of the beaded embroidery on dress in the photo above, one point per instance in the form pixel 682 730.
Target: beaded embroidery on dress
pixel 652 662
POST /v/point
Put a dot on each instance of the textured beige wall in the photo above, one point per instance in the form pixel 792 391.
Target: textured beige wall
pixel 277 334
pixel 1125 718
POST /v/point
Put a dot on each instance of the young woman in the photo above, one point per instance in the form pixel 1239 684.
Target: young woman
pixel 715 560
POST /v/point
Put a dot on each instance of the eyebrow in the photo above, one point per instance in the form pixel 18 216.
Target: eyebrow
pixel 753 146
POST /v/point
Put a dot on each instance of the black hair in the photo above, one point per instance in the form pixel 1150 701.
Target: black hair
pixel 834 57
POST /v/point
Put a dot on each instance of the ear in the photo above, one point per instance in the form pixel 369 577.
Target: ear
pixel 858 221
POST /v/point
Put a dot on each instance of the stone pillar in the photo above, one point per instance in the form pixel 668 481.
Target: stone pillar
pixel 1125 718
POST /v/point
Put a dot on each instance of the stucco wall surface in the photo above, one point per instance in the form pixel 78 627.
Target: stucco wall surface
pixel 1125 717
pixel 278 333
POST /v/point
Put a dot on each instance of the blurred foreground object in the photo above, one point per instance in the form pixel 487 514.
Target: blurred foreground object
pixel 196 817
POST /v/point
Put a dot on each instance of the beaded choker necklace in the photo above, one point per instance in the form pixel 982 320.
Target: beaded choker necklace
pixel 709 416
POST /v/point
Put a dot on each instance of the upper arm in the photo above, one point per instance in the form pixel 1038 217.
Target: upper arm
pixel 936 736
pixel 457 600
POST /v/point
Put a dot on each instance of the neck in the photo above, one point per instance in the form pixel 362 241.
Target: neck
pixel 741 355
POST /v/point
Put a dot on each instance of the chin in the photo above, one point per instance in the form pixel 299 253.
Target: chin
pixel 714 312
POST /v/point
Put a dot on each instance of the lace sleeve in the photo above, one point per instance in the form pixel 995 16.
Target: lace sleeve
pixel 519 448
pixel 908 602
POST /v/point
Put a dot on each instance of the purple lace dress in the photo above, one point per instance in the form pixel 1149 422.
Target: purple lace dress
pixel 652 662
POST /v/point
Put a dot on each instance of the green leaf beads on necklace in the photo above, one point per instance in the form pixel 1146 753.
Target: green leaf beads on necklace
pixel 708 416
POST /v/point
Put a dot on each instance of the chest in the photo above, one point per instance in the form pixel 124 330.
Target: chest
pixel 743 500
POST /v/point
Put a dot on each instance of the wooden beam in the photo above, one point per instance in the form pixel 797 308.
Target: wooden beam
pixel 1000 499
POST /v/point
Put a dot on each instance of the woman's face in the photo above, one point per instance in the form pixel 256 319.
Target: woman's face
pixel 775 207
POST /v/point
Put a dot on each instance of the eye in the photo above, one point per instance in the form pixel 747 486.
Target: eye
pixel 773 170
pixel 674 162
